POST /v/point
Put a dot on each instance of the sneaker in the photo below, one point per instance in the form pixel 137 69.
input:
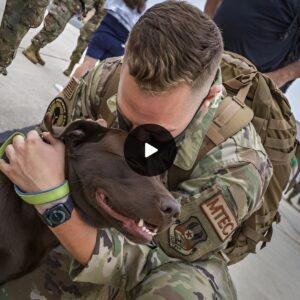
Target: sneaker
pixel 58 87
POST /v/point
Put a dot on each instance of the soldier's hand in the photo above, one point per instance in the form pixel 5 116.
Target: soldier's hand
pixel 34 165
pixel 101 122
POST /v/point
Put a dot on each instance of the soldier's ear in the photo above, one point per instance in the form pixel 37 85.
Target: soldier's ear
pixel 77 132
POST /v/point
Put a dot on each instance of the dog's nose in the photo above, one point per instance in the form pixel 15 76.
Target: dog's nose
pixel 170 208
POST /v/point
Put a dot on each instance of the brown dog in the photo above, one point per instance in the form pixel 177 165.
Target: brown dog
pixel 106 193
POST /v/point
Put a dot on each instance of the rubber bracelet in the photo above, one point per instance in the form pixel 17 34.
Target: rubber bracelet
pixel 45 196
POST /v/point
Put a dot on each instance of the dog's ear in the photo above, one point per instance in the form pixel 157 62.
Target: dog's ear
pixel 77 132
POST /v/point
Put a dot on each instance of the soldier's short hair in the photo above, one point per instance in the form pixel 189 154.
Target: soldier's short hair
pixel 173 42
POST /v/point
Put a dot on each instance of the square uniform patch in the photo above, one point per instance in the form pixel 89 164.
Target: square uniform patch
pixel 220 216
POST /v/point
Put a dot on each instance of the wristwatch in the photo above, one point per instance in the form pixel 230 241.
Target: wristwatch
pixel 58 214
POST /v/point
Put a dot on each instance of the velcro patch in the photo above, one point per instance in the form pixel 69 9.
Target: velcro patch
pixel 70 88
pixel 220 216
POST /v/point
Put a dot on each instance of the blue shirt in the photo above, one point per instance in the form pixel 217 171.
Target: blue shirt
pixel 267 32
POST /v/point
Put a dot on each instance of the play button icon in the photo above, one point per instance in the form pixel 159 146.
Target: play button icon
pixel 150 150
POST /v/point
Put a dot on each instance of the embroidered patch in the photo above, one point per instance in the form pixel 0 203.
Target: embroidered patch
pixel 184 236
pixel 220 216
pixel 58 112
pixel 69 90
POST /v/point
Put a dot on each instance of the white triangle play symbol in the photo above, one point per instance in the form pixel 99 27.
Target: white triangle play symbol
pixel 149 150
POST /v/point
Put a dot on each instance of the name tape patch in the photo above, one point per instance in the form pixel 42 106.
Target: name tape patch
pixel 220 216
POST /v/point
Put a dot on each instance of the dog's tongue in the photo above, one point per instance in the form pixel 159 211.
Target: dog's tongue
pixel 128 224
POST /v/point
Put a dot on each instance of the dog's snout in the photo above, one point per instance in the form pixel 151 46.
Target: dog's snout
pixel 170 208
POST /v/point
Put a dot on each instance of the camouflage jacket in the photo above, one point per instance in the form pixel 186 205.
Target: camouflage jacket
pixel 225 187
pixel 77 6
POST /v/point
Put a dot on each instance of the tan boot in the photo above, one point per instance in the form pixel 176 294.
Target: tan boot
pixel 30 53
pixel 69 70
pixel 40 60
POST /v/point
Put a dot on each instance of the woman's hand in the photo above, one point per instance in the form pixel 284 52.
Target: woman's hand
pixel 34 165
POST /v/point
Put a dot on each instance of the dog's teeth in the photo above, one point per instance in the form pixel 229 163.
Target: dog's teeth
pixel 145 229
pixel 141 223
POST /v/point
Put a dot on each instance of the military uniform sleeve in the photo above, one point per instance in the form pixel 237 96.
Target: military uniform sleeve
pixel 79 99
pixel 99 6
pixel 89 5
pixel 226 186
pixel 118 262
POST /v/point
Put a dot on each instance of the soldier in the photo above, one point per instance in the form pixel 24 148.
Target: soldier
pixel 18 18
pixel 169 76
pixel 84 37
pixel 60 13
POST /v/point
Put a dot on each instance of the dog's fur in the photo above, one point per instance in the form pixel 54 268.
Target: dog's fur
pixel 96 170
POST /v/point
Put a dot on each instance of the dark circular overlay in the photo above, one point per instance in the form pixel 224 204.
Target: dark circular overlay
pixel 154 136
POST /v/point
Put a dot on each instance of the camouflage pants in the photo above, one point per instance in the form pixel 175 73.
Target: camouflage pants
pixel 55 22
pixel 85 35
pixel 205 280
pixel 18 18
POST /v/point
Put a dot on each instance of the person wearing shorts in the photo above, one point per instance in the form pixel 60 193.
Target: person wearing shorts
pixel 110 37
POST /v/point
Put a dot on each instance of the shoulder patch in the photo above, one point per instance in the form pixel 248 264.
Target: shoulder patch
pixel 220 216
pixel 184 236
pixel 58 112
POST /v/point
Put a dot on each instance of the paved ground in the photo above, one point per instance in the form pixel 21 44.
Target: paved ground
pixel 273 273
pixel 28 88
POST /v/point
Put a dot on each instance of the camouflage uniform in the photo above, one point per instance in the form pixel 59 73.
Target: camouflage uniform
pixel 60 13
pixel 85 34
pixel 187 261
pixel 18 18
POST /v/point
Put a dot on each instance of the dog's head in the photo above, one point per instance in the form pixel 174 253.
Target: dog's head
pixel 107 193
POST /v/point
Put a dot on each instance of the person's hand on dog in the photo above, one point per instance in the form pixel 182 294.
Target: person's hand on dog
pixel 101 122
pixel 34 165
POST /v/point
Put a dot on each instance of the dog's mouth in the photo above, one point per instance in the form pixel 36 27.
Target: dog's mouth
pixel 135 229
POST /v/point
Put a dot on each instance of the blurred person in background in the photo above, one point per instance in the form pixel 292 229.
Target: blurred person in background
pixel 86 33
pixel 110 37
pixel 265 32
pixel 60 13
pixel 18 18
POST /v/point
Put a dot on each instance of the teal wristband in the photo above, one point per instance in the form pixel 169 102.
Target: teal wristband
pixel 45 196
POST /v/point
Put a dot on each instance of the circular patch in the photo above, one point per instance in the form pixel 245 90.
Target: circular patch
pixel 58 112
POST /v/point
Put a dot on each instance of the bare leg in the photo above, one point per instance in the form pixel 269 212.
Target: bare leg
pixel 88 64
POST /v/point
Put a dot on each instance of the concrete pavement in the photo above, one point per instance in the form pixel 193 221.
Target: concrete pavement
pixel 28 88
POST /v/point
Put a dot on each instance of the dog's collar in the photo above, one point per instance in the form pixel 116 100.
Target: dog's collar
pixel 8 142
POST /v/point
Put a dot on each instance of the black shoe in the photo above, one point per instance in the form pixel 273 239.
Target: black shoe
pixel 3 71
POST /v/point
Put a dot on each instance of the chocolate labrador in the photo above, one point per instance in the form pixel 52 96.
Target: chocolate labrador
pixel 106 193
